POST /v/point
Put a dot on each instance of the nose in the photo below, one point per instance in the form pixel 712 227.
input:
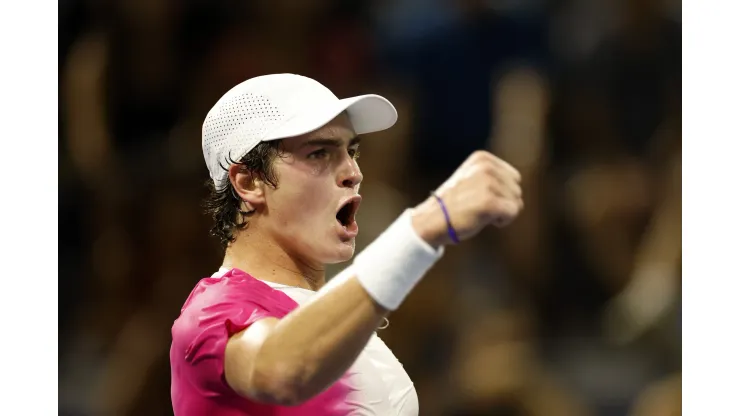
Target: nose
pixel 349 175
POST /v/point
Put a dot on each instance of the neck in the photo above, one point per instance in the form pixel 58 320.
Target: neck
pixel 265 259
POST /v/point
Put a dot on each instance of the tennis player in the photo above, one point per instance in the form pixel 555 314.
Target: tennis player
pixel 266 334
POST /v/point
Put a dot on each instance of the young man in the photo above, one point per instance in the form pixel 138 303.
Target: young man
pixel 265 335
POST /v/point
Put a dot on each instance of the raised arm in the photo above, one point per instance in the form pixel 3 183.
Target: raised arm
pixel 290 360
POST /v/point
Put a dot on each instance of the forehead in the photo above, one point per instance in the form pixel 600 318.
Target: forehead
pixel 339 128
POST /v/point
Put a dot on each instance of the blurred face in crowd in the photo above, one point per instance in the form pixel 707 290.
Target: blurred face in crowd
pixel 311 212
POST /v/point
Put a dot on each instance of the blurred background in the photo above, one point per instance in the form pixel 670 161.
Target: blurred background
pixel 574 310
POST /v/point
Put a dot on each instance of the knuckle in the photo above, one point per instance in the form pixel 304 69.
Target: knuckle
pixel 480 154
pixel 483 169
pixel 517 190
pixel 516 175
pixel 510 208
pixel 492 169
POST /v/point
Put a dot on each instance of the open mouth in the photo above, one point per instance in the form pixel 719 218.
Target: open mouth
pixel 346 213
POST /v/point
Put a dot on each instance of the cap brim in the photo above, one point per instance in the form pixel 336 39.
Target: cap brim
pixel 367 113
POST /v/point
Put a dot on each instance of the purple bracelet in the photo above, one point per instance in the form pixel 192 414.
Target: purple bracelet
pixel 450 230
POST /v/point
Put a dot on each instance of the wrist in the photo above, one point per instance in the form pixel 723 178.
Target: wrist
pixel 393 264
pixel 428 221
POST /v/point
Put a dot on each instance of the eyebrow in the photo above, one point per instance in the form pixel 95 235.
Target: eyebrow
pixel 331 142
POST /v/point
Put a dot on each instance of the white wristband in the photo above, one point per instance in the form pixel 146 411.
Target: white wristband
pixel 393 264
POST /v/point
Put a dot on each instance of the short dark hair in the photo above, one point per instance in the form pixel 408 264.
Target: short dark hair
pixel 224 205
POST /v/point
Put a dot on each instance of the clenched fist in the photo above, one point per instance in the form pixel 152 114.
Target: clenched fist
pixel 483 190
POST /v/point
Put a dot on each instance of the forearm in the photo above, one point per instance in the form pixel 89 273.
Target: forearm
pixel 319 341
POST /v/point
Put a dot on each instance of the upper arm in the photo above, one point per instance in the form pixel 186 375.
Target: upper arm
pixel 220 332
pixel 240 360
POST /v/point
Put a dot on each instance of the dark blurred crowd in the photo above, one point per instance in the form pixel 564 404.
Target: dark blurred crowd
pixel 573 310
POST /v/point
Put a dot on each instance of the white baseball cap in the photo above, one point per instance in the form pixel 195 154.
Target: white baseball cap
pixel 279 106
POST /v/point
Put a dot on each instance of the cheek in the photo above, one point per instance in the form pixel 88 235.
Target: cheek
pixel 302 200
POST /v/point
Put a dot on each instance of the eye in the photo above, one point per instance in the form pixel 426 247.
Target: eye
pixel 354 152
pixel 318 154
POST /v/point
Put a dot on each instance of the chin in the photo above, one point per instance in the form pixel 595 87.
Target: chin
pixel 343 253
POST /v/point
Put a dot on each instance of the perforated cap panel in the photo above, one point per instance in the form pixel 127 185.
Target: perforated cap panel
pixel 236 126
